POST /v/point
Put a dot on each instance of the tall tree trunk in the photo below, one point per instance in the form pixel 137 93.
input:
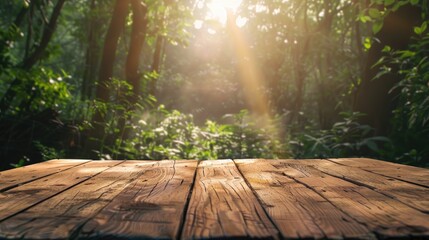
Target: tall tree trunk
pixel 116 27
pixel 156 63
pixel 138 34
pixel 92 53
pixel 48 31
pixel 299 54
pixel 132 73
pixel 373 97
pixel 117 24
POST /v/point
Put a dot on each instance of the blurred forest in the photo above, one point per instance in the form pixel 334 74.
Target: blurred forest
pixel 212 79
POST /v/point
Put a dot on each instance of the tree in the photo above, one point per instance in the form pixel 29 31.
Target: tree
pixel 138 35
pixel 30 59
pixel 374 97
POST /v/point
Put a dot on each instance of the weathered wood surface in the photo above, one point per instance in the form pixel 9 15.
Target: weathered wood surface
pixel 398 171
pixel 222 205
pixel 187 199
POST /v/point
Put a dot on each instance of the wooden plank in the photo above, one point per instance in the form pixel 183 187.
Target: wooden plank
pixel 18 176
pixel 298 211
pixel 23 197
pixel 150 207
pixel 383 215
pixel 62 215
pixel 222 205
pixel 419 176
pixel 410 194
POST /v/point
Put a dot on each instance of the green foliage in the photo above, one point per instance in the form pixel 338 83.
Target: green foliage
pixel 346 138
pixel 162 134
pixel 47 152
pixel 36 89
pixel 411 117
pixel 310 55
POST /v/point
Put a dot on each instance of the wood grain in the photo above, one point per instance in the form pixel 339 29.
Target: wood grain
pixel 23 197
pixel 339 198
pixel 419 176
pixel 298 211
pixel 62 215
pixel 222 205
pixel 383 215
pixel 18 176
pixel 410 194
pixel 151 207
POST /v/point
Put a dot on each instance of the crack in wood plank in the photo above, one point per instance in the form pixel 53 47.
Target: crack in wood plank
pixel 385 216
pixel 297 210
pixel 16 177
pixel 223 206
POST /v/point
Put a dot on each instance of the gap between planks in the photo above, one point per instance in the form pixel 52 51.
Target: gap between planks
pixel 12 178
pixel 423 181
pixel 337 190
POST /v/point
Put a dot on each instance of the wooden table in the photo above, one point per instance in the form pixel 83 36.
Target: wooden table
pixel 335 198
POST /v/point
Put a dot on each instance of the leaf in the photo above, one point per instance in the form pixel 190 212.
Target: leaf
pixel 418 30
pixel 424 26
pixel 386 49
pixel 421 29
pixel 374 13
pixel 376 27
pixel 389 2
pixel 367 43
pixel 406 53
pixel 414 2
pixel 365 18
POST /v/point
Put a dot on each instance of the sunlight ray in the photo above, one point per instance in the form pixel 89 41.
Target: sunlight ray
pixel 251 77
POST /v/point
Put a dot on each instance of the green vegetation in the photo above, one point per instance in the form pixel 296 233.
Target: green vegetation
pixel 202 79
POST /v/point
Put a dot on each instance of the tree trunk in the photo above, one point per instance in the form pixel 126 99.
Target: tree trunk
pixel 92 53
pixel 48 31
pixel 373 97
pixel 132 74
pixel 138 34
pixel 156 63
pixel 116 27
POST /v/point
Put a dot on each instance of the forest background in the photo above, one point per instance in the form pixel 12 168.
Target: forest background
pixel 213 79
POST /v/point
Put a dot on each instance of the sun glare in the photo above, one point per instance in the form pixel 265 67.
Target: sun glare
pixel 218 9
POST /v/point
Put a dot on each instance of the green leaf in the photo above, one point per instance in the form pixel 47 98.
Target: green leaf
pixel 374 13
pixel 421 29
pixel 414 2
pixel 424 26
pixel 367 43
pixel 365 18
pixel 418 30
pixel 406 53
pixel 389 2
pixel 386 49
pixel 376 27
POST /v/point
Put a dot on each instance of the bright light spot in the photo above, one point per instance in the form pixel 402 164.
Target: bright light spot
pixel 241 21
pixel 218 9
pixel 261 8
pixel 211 31
pixel 198 24
pixel 200 4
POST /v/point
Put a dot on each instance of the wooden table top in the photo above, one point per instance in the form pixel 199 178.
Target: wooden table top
pixel 188 199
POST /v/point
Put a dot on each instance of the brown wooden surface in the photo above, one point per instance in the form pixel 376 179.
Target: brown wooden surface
pixel 222 205
pixel 251 198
